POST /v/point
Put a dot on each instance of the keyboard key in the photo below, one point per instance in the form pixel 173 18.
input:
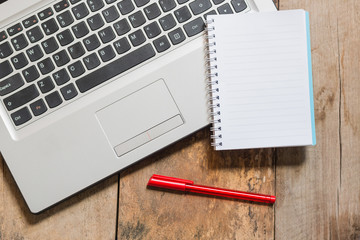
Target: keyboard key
pixel 176 36
pixel 53 99
pixel 38 107
pixel 21 97
pixel 122 27
pixel 30 74
pixel 125 6
pixel 61 5
pixel 5 69
pixel 95 22
pixel 137 38
pixel 152 11
pixel 141 3
pixel 80 11
pixel 34 53
pixel 65 37
pixel 3 36
pixel 21 116
pixel 61 77
pixel 76 69
pixel 91 61
pixel 14 29
pixel 115 68
pixel 69 91
pixel 182 14
pixel 92 42
pixel 95 5
pixel 137 19
pixel 194 27
pixel 61 58
pixel 11 84
pixel 225 9
pixel 65 19
pixel 34 34
pixel 46 85
pixel 152 30
pixel 76 50
pixel 50 45
pixel 80 30
pixel 167 5
pixel 106 35
pixel 5 50
pixel 19 61
pixel 30 21
pixel 200 6
pixel 50 26
pixel 110 14
pixel 19 42
pixel 122 45
pixel 238 5
pixel 182 1
pixel 212 12
pixel 161 44
pixel 216 2
pixel 107 53
pixel 46 66
pixel 110 1
pixel 74 1
pixel 45 13
pixel 167 22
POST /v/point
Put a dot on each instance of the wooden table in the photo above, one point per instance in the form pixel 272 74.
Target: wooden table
pixel 317 188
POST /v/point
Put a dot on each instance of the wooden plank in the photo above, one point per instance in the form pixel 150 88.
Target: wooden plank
pixel 308 178
pixel 156 214
pixel 88 215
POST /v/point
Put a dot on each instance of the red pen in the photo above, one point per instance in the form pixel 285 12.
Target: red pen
pixel 188 186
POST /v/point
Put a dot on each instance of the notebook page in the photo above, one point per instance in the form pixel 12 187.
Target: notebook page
pixel 263 70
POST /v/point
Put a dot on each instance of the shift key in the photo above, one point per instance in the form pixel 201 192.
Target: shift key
pixel 10 84
pixel 22 97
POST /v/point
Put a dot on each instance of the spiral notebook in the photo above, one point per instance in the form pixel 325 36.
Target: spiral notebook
pixel 261 80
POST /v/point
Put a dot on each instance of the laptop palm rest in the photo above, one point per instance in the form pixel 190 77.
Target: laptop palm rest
pixel 139 117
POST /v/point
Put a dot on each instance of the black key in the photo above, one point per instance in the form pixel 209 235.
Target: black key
pixel 141 3
pixel 106 35
pixel 115 68
pixel 50 45
pixel 61 58
pixel 95 22
pixel 125 6
pixel 14 29
pixel 182 14
pixel 80 30
pixel 217 1
pixel 65 19
pixel 5 69
pixel 19 61
pixel 152 30
pixel 5 50
pixel 30 74
pixel 212 12
pixel 238 5
pixel 95 5
pixel 3 36
pixel 46 85
pixel 30 21
pixel 76 69
pixel 80 11
pixel 110 1
pixel 122 45
pixel 61 5
pixel 34 53
pixel 69 91
pixel 50 26
pixel 225 9
pixel 91 61
pixel 74 1
pixel 38 107
pixel 21 116
pixel 92 42
pixel 167 22
pixel 61 77
pixel 167 5
pixel 11 84
pixel 45 13
pixel 76 50
pixel 21 97
pixel 177 36
pixel 122 27
pixel 194 27
pixel 46 66
pixel 152 11
pixel 161 44
pixel 137 19
pixel 53 99
pixel 110 14
pixel 107 53
pixel 34 34
pixel 182 1
pixel 200 6
pixel 65 37
pixel 137 38
pixel 19 42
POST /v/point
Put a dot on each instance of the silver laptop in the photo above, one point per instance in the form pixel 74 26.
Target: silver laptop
pixel 88 87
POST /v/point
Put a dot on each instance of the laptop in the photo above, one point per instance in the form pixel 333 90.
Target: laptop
pixel 89 87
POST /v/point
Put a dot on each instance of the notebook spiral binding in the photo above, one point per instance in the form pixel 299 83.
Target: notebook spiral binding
pixel 213 81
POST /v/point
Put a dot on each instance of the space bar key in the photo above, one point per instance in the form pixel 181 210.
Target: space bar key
pixel 115 68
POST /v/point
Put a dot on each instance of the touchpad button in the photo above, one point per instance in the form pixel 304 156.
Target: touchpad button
pixel 140 117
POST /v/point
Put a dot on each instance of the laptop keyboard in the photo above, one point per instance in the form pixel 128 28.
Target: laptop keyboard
pixel 56 55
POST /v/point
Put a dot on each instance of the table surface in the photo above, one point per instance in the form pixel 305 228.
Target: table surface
pixel 317 188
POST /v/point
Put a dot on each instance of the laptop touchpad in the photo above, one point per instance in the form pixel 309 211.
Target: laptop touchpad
pixel 139 117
